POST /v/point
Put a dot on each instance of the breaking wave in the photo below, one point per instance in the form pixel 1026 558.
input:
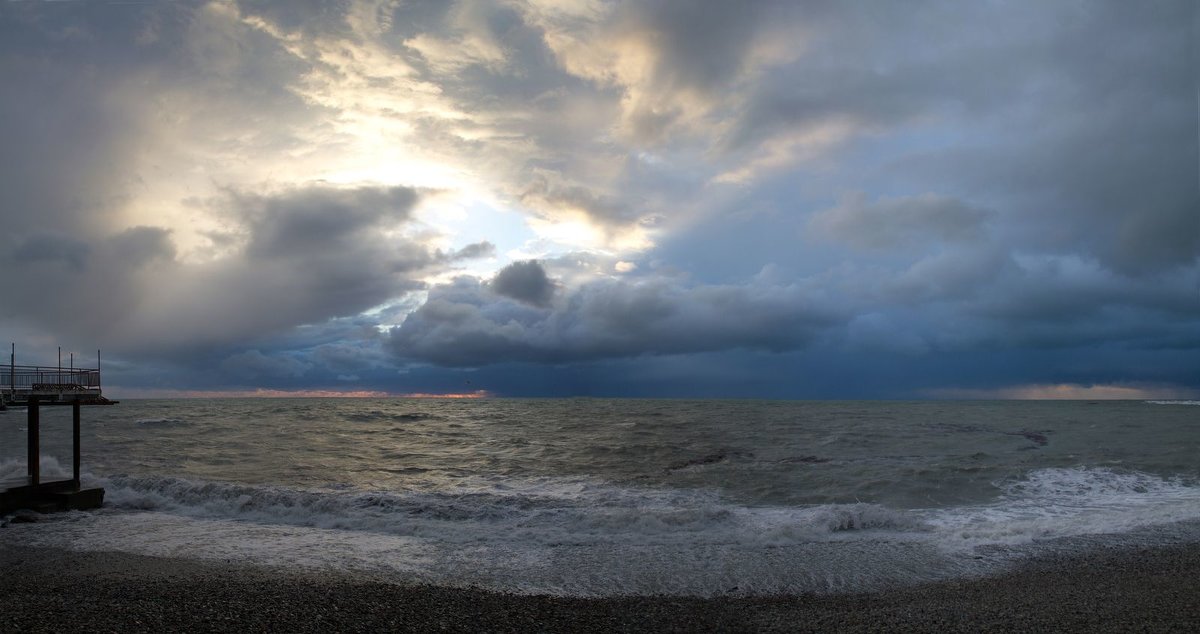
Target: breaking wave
pixel 1064 502
pixel 161 422
pixel 1045 503
pixel 15 469
pixel 589 538
pixel 548 511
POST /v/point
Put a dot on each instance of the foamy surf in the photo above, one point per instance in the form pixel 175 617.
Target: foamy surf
pixel 626 496
pixel 588 538
pixel 51 468
pixel 1068 502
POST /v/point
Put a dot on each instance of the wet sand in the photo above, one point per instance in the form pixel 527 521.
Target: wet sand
pixel 1148 589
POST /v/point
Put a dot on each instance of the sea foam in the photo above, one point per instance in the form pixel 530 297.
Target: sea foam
pixel 1065 502
pixel 583 537
pixel 51 468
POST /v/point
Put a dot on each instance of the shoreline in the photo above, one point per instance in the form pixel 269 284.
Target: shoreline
pixel 1108 589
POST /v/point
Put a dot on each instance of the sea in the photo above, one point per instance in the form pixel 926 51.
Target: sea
pixel 603 497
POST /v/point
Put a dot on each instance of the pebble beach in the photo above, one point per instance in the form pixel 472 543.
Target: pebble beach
pixel 1112 590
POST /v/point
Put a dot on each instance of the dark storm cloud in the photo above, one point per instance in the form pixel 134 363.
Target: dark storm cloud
pixel 342 352
pixel 461 324
pixel 997 192
pixel 525 282
pixel 254 365
pixel 980 299
pixel 351 356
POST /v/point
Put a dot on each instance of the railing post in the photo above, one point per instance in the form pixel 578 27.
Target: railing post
pixel 34 436
pixel 75 439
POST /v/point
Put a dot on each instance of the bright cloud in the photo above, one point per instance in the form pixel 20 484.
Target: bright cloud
pixel 801 199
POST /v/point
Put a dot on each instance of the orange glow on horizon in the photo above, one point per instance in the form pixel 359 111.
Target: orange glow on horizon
pixel 266 393
pixel 1068 391
pixel 475 394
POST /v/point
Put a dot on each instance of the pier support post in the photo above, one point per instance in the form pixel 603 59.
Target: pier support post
pixel 75 441
pixel 33 429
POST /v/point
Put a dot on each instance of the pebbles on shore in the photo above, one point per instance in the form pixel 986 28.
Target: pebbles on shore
pixel 43 590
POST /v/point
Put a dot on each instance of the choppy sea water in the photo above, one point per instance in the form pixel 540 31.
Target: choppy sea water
pixel 601 497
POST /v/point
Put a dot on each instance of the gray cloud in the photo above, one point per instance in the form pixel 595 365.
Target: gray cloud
pixel 253 365
pixel 139 246
pixel 66 144
pixel 900 222
pixel 696 50
pixel 549 196
pixel 350 356
pixel 461 324
pixel 525 282
pixel 321 218
pixel 52 248
pixel 473 251
pixel 90 90
pixel 1094 157
pixel 1026 178
pixel 983 299
pixel 309 255
pixel 697 46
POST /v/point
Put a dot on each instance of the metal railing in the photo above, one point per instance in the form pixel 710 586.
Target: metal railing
pixel 51 378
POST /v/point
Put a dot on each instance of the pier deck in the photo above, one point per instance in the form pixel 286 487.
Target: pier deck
pixel 51 385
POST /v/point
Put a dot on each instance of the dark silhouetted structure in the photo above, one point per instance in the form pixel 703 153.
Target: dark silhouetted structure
pixel 55 495
pixel 52 385
pixel 34 386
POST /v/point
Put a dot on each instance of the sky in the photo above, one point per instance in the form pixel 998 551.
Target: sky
pixel 994 199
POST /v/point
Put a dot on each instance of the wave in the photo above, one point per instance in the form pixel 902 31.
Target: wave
pixel 560 536
pixel 1043 503
pixel 584 537
pixel 161 422
pixel 1066 502
pixel 543 510
pixel 381 415
pixel 509 512
pixel 1175 402
pixel 13 469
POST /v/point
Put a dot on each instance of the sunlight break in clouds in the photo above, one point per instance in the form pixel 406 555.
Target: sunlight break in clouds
pixel 758 198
